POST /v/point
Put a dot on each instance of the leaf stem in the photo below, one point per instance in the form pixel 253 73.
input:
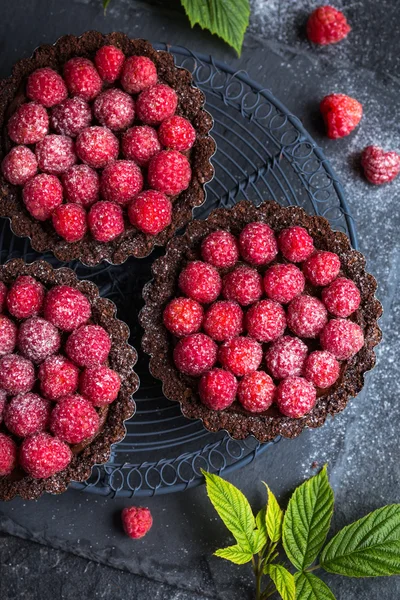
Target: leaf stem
pixel 314 568
pixel 257 568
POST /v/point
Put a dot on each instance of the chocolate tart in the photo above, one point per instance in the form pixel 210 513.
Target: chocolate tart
pixel 190 105
pixel 159 343
pixel 122 359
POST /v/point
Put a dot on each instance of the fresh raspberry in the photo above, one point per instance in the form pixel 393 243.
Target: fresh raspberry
pixel 306 316
pixel 341 114
pixel 150 212
pixel 295 397
pixel 217 389
pixel 29 124
pixel 169 172
pixel 379 166
pixel 109 61
pixel 8 335
pixel 25 297
pixel 121 181
pixel 69 221
pixel 46 87
pixel 42 455
pixel 3 295
pixel 195 354
pixel 183 316
pixel 3 398
pixel 327 25
pixel 243 285
pixel 283 282
pixel 241 355
pixel 136 521
pixel 257 244
pixel 266 321
pixel 322 369
pixel 55 154
pixel 71 116
pixel 256 391
pixel 38 339
pixel 74 419
pixel 19 165
pixel 295 243
pixel 41 195
pixel 17 374
pixel 342 338
pixel 81 78
pixel 177 133
pixel 220 249
pixel 88 346
pixel 223 320
pixel 138 73
pixel 26 414
pixel 341 297
pixel 81 185
pixel 66 307
pixel 322 268
pixel 114 109
pixel 285 358
pixel 58 377
pixel 106 221
pixel 140 144
pixel 100 385
pixel 156 103
pixel 200 281
pixel 8 454
pixel 97 146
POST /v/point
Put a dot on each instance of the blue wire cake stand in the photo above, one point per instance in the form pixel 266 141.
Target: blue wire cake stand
pixel 263 153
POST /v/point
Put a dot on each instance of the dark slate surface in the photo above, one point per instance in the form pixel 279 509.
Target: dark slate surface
pixel 361 446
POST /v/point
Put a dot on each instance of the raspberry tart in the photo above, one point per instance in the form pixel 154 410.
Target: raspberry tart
pixel 105 148
pixel 261 321
pixel 66 379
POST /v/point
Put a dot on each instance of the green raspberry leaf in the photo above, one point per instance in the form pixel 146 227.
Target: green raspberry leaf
pixel 262 527
pixel 274 517
pixel 310 587
pixel 283 580
pixel 235 554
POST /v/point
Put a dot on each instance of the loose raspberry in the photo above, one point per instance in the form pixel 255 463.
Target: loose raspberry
pixel 88 346
pixel 138 73
pixel 55 154
pixel 66 307
pixel 69 221
pixel 74 419
pixel 285 358
pixel 150 212
pixel 81 78
pixel 140 144
pixel 121 181
pixel 177 133
pixel 42 455
pixel 283 282
pixel 217 389
pixel 41 195
pixel 322 268
pixel 322 369
pixel 97 146
pixel 306 316
pixel 220 248
pixel 81 185
pixel 295 243
pixel 114 109
pixel 295 397
pixel 240 355
pixel 341 114
pixel 195 354
pixel 3 295
pixel 17 374
pixel 223 320
pixel 156 103
pixel 256 391
pixel 25 297
pixel 183 316
pixel 71 116
pixel 200 281
pixel 3 398
pixel 136 521
pixel 100 385
pixel 58 377
pixel 341 297
pixel 243 285
pixel 109 61
pixel 46 87
pixel 38 339
pixel 379 166
pixel 29 124
pixel 26 414
pixel 8 454
pixel 327 25
pixel 342 338
pixel 169 172
pixel 19 165
pixel 266 321
pixel 106 221
pixel 257 244
pixel 8 335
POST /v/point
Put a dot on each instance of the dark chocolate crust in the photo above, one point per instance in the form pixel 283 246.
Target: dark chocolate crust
pixel 122 359
pixel 158 342
pixel 131 242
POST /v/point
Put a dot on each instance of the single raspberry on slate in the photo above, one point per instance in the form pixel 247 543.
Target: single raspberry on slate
pixel 342 338
pixel 265 321
pixel 106 221
pixel 38 339
pixel 41 195
pixel 379 166
pixel 257 244
pixel 66 307
pixel 3 295
pixel 109 61
pixel 240 355
pixel 25 298
pixel 327 25
pixel 97 146
pixel 183 316
pixel 341 297
pixel 150 212
pixel 17 374
pixel 3 398
pixel 283 282
pixel 29 124
pixel 114 109
pixel 256 391
pixel 71 116
pixel 285 358
pixel 195 354
pixel 46 87
pixel 26 414
pixel 243 285
pixel 81 185
pixel 341 114
pixel 69 221
pixel 100 385
pixel 82 78
pixel 8 454
pixel 169 172
pixel 88 346
pixel 322 268
pixel 217 389
pixel 19 165
pixel 295 397
pixel 138 73
pixel 220 249
pixel 55 154
pixel 223 320
pixel 8 335
pixel 42 455
pixel 136 521
pixel 74 419
pixel 306 316
pixel 177 133
pixel 156 103
pixel 140 143
pixel 295 243
pixel 121 181
pixel 321 368
pixel 200 281
pixel 58 377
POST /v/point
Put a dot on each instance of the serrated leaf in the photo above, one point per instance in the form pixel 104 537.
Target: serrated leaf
pixel 262 526
pixel 274 517
pixel 228 19
pixel 370 547
pixel 235 554
pixel 307 520
pixel 259 541
pixel 310 587
pixel 283 580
